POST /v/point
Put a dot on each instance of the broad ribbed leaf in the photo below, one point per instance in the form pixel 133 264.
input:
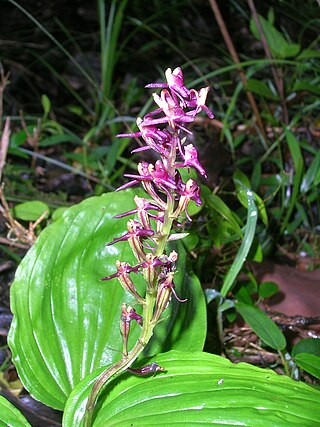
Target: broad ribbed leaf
pixel 199 388
pixel 66 321
pixel 11 416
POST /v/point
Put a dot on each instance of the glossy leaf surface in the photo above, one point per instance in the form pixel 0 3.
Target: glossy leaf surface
pixel 10 415
pixel 66 321
pixel 199 389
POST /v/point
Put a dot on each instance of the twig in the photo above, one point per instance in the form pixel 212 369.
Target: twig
pixel 4 144
pixel 296 322
pixel 6 266
pixel 4 78
pixel 236 60
pixel 33 140
pixel 12 243
pixel 277 72
pixel 23 235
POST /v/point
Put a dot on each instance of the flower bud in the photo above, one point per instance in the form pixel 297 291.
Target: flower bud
pixel 126 281
pixel 146 370
pixel 163 296
pixel 128 314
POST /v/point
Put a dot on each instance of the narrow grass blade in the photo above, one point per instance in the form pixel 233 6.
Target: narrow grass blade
pixel 237 264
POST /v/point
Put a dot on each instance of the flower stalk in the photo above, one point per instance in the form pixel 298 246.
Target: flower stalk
pixel 162 131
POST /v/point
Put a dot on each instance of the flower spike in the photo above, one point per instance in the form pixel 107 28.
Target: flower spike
pixel 164 131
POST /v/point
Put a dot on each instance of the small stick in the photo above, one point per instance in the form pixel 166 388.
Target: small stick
pixel 277 72
pixel 236 60
pixel 4 144
pixel 4 78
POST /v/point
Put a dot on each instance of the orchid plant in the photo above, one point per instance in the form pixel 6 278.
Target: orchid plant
pixel 163 131
pixel 61 333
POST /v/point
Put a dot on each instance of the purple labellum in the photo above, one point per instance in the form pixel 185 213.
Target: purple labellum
pixel 123 268
pixel 198 100
pixel 146 370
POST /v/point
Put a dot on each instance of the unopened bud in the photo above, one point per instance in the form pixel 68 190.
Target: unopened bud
pixel 128 314
pixel 146 370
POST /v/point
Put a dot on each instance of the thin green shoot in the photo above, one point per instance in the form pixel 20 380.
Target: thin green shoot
pixel 252 216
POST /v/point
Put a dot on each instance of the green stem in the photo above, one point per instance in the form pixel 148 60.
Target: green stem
pixel 147 328
pixel 126 361
pixel 284 363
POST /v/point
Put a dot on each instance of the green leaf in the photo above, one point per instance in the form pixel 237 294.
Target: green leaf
pixel 10 416
pixel 271 15
pixel 241 256
pixel 262 325
pixel 46 104
pixel 306 85
pixel 297 158
pixel 309 362
pixel 57 139
pixel 308 181
pixel 295 149
pixel 199 389
pixel 226 305
pixel 66 320
pixel 261 88
pixel 278 45
pixel 58 213
pixel 191 241
pixel 242 182
pixel 243 295
pixel 308 345
pixel 30 211
pixel 308 54
pixel 218 205
pixel 267 289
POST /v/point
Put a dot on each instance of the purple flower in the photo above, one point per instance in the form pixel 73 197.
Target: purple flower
pixel 174 82
pixel 156 139
pixel 198 100
pixel 191 159
pixel 129 314
pixel 135 229
pixel 123 275
pixel 165 290
pixel 174 113
pixel 156 174
pixel 146 370
pixel 123 268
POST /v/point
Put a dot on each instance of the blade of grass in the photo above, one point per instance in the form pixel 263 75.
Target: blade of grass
pixel 109 40
pixel 241 256
pixel 260 63
pixel 297 158
pixel 225 121
pixel 64 166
